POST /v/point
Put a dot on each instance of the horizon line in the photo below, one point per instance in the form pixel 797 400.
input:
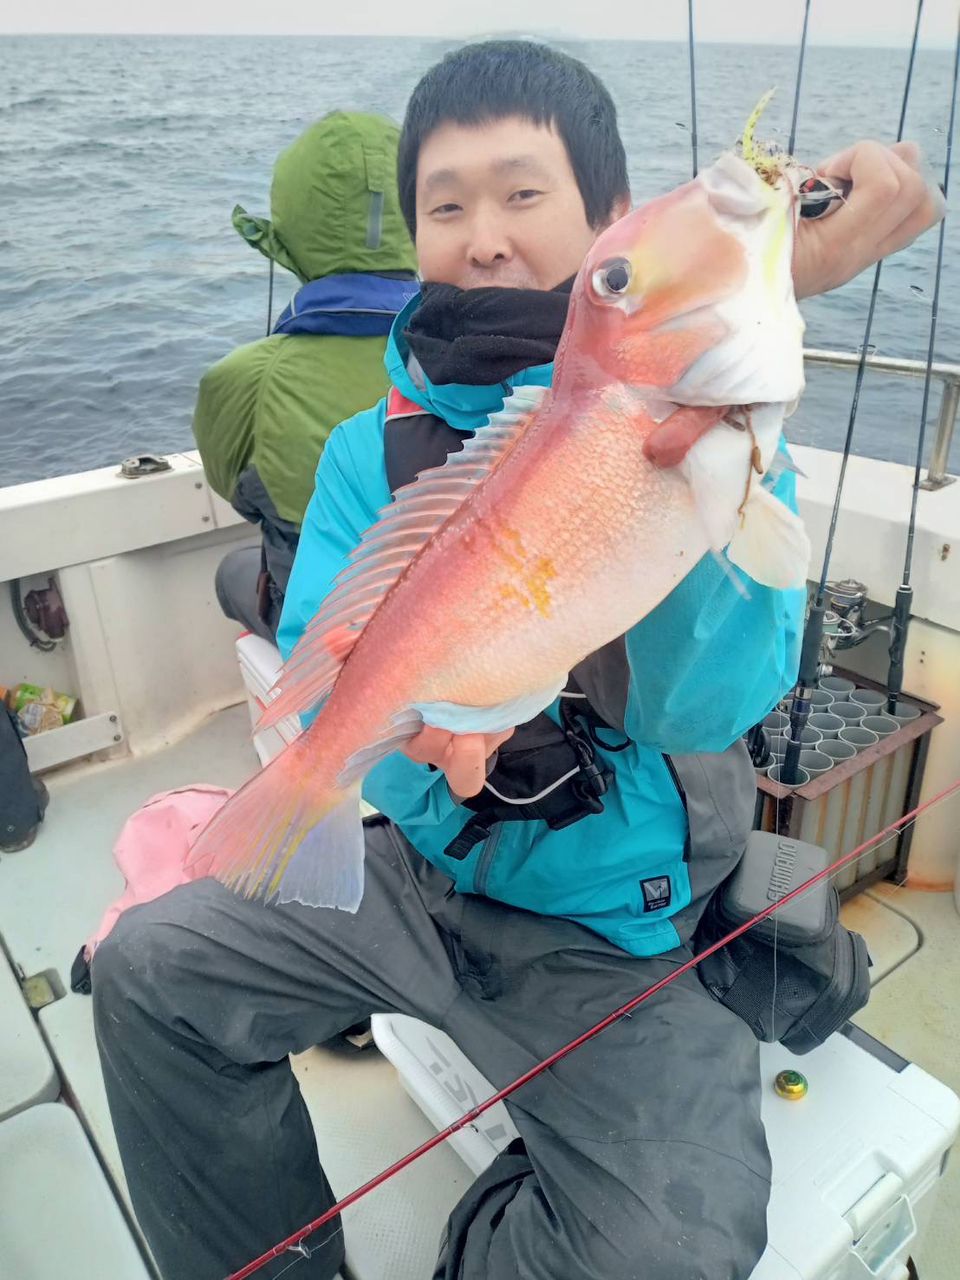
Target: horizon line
pixel 390 35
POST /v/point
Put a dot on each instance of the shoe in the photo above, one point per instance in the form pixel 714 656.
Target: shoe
pixel 359 1036
pixel 27 839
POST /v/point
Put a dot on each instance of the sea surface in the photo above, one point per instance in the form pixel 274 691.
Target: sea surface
pixel 121 279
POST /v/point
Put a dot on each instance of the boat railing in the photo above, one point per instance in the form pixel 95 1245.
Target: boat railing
pixel 947 374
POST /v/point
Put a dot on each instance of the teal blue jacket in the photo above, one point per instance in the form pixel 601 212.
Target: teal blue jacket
pixel 707 664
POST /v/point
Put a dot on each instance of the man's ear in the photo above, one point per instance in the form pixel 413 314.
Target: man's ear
pixel 621 207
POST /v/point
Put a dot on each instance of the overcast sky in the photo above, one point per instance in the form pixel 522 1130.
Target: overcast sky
pixel 761 21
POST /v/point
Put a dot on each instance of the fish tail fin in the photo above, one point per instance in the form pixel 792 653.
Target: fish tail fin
pixel 288 837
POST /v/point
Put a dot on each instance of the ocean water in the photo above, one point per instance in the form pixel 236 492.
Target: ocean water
pixel 121 278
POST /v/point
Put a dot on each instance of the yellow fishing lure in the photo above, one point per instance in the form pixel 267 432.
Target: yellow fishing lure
pixel 768 160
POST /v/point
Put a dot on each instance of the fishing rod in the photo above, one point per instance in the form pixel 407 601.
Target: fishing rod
pixel 809 673
pixel 796 92
pixel 757 744
pixel 693 87
pixel 902 610
pixel 294 1242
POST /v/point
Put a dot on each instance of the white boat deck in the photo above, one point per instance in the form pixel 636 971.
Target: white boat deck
pixel 52 895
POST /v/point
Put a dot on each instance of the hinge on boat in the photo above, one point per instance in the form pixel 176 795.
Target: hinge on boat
pixel 41 989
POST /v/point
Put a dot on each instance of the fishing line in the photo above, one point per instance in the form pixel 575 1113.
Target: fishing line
pixel 305 1252
pixel 776 816
pixel 900 622
pixel 623 1011
pixel 693 87
pixel 796 92
pixel 813 631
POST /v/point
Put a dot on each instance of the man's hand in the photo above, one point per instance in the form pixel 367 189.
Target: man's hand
pixel 891 202
pixel 462 756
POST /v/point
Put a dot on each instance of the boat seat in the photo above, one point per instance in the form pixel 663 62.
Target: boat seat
pixel 27 1073
pixel 58 1215
pixel 260 664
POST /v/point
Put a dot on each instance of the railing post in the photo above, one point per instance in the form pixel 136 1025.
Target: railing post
pixel 936 477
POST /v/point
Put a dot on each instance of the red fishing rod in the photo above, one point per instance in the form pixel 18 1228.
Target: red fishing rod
pixel 292 1242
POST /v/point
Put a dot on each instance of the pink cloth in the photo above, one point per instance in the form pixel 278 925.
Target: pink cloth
pixel 153 846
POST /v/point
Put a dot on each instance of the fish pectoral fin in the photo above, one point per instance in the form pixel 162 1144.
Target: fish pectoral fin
pixel 770 543
pixel 400 729
pixel 720 451
pixel 782 462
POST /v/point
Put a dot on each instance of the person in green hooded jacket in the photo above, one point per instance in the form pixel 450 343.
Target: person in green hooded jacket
pixel 264 411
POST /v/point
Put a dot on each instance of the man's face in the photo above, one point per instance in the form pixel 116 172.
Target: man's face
pixel 498 204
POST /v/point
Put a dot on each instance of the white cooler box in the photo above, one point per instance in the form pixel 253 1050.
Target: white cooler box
pixel 260 664
pixel 856 1162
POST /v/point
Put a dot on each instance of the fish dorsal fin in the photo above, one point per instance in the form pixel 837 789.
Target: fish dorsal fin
pixel 386 550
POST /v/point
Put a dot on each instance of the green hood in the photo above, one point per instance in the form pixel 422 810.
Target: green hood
pixel 334 202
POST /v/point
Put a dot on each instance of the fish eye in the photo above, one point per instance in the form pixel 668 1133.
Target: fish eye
pixel 612 277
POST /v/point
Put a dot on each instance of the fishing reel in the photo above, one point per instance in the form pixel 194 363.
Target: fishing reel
pixel 844 624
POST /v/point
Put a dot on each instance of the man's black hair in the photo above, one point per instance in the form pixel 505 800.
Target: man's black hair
pixel 481 83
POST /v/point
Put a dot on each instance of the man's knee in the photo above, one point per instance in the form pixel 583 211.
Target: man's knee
pixel 237 584
pixel 134 963
pixel 706 1218
pixel 116 973
pixel 235 581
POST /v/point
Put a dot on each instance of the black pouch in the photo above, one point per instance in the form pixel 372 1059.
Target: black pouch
pixel 545 773
pixel 797 976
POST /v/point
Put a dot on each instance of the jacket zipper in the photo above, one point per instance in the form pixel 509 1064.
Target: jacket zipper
pixel 482 872
pixel 671 769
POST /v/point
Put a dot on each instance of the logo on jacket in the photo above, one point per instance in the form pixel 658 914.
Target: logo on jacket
pixel 656 893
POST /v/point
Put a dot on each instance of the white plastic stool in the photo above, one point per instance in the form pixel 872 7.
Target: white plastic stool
pixel 260 665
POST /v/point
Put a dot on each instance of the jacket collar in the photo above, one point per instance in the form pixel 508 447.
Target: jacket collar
pixel 463 407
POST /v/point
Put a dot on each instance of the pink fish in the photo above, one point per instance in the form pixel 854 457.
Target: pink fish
pixel 561 524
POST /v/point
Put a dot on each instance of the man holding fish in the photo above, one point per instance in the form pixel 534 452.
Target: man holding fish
pixel 525 658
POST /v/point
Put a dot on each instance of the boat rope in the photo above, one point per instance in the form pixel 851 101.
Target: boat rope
pixel 44 644
pixel 900 623
pixel 813 630
pixel 295 1242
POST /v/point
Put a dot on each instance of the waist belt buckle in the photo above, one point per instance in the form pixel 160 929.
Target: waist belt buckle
pixel 467 839
pixel 593 782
